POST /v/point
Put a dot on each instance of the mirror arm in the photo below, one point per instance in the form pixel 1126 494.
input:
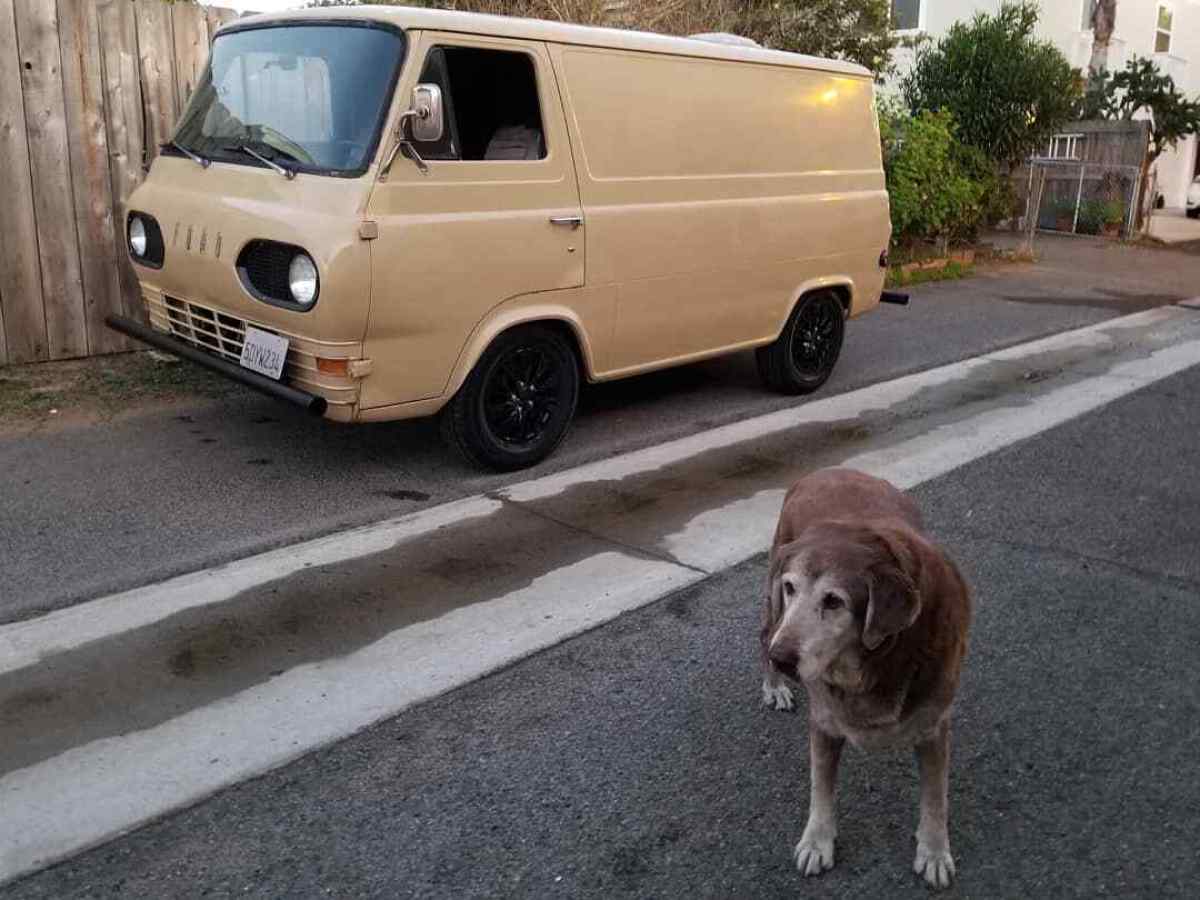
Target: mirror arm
pixel 403 143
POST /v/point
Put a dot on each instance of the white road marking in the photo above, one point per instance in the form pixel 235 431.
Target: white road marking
pixel 95 791
pixel 23 644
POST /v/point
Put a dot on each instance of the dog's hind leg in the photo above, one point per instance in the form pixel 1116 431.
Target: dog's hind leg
pixel 814 853
pixel 933 861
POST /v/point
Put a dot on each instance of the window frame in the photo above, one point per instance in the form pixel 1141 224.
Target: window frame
pixel 372 150
pixel 1169 31
pixel 1072 141
pixel 448 104
pixel 919 28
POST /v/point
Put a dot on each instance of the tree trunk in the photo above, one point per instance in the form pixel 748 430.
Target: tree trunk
pixel 1104 21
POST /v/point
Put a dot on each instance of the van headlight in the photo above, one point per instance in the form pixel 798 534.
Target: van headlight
pixel 144 240
pixel 137 236
pixel 280 274
pixel 302 279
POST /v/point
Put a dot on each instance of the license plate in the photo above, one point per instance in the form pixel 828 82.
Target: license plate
pixel 264 352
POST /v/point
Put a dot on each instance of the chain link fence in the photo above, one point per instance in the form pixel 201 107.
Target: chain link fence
pixel 1082 197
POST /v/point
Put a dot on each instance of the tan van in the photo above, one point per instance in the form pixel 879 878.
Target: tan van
pixel 382 213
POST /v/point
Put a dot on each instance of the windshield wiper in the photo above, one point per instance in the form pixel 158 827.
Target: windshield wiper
pixel 194 157
pixel 287 173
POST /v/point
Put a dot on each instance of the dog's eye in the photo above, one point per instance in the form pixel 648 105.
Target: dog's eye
pixel 832 601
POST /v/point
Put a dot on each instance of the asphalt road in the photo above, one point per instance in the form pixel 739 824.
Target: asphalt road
pixel 634 761
pixel 90 512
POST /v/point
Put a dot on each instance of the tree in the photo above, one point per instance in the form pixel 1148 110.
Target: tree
pixel 1009 91
pixel 1104 22
pixel 855 30
pixel 1141 88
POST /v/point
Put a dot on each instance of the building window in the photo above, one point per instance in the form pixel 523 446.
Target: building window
pixel 906 15
pixel 1162 36
pixel 1089 7
pixel 1065 146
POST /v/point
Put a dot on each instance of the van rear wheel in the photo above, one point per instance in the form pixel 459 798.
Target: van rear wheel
pixel 802 358
pixel 518 402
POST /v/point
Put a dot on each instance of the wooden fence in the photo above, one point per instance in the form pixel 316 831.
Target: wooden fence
pixel 88 90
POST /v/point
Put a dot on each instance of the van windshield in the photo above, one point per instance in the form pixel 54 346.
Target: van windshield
pixel 306 97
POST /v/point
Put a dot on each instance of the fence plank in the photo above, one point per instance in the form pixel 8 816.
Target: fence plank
pixel 91 186
pixel 123 111
pixel 216 16
pixel 191 48
pixel 45 121
pixel 156 50
pixel 20 275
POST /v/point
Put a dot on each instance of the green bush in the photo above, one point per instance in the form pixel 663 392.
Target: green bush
pixel 1095 214
pixel 940 190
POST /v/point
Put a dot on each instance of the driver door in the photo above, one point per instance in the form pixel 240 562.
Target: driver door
pixel 496 216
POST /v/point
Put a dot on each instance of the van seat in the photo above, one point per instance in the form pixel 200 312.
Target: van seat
pixel 515 142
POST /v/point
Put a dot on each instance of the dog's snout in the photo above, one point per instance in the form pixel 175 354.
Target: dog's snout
pixel 784 657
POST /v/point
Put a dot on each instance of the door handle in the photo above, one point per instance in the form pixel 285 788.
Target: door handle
pixel 569 221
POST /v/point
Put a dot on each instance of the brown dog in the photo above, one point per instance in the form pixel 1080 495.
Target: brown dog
pixel 872 618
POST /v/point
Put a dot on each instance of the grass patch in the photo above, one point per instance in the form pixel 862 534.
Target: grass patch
pixel 951 271
pixel 102 386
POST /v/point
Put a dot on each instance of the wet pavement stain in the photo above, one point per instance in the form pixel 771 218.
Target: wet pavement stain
pixel 1118 301
pixel 143 678
pixel 416 496
pixel 646 509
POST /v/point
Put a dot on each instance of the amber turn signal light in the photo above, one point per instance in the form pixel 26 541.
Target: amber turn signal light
pixel 339 367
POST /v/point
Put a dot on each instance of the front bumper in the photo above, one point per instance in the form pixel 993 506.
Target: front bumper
pixel 311 402
pixel 213 338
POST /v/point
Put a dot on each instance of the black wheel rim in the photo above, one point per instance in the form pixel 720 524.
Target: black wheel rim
pixel 816 337
pixel 523 396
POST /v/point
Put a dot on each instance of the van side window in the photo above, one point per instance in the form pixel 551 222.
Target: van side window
pixel 491 103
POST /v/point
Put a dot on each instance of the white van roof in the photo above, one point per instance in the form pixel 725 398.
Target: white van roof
pixel 557 32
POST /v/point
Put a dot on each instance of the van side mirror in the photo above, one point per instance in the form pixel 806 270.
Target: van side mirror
pixel 428 121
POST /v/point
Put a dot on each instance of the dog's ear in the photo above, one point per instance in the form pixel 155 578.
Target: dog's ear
pixel 894 602
pixel 773 608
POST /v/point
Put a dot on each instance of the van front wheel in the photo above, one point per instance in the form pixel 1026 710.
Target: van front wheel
pixel 518 402
pixel 802 358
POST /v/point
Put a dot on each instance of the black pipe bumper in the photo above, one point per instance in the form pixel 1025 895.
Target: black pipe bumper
pixel 311 402
pixel 894 297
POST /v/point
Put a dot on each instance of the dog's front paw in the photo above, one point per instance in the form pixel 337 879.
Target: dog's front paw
pixel 778 696
pixel 935 865
pixel 814 855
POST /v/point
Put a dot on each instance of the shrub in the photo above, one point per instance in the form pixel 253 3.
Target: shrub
pixel 940 190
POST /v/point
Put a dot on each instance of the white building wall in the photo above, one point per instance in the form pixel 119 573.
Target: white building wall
pixel 1062 23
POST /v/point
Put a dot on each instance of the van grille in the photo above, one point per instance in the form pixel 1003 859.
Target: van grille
pixel 205 328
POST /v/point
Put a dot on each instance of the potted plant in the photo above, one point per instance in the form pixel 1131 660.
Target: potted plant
pixel 1114 217
pixel 1064 216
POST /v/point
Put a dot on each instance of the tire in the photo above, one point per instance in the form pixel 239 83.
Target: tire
pixel 1193 213
pixel 517 404
pixel 802 358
